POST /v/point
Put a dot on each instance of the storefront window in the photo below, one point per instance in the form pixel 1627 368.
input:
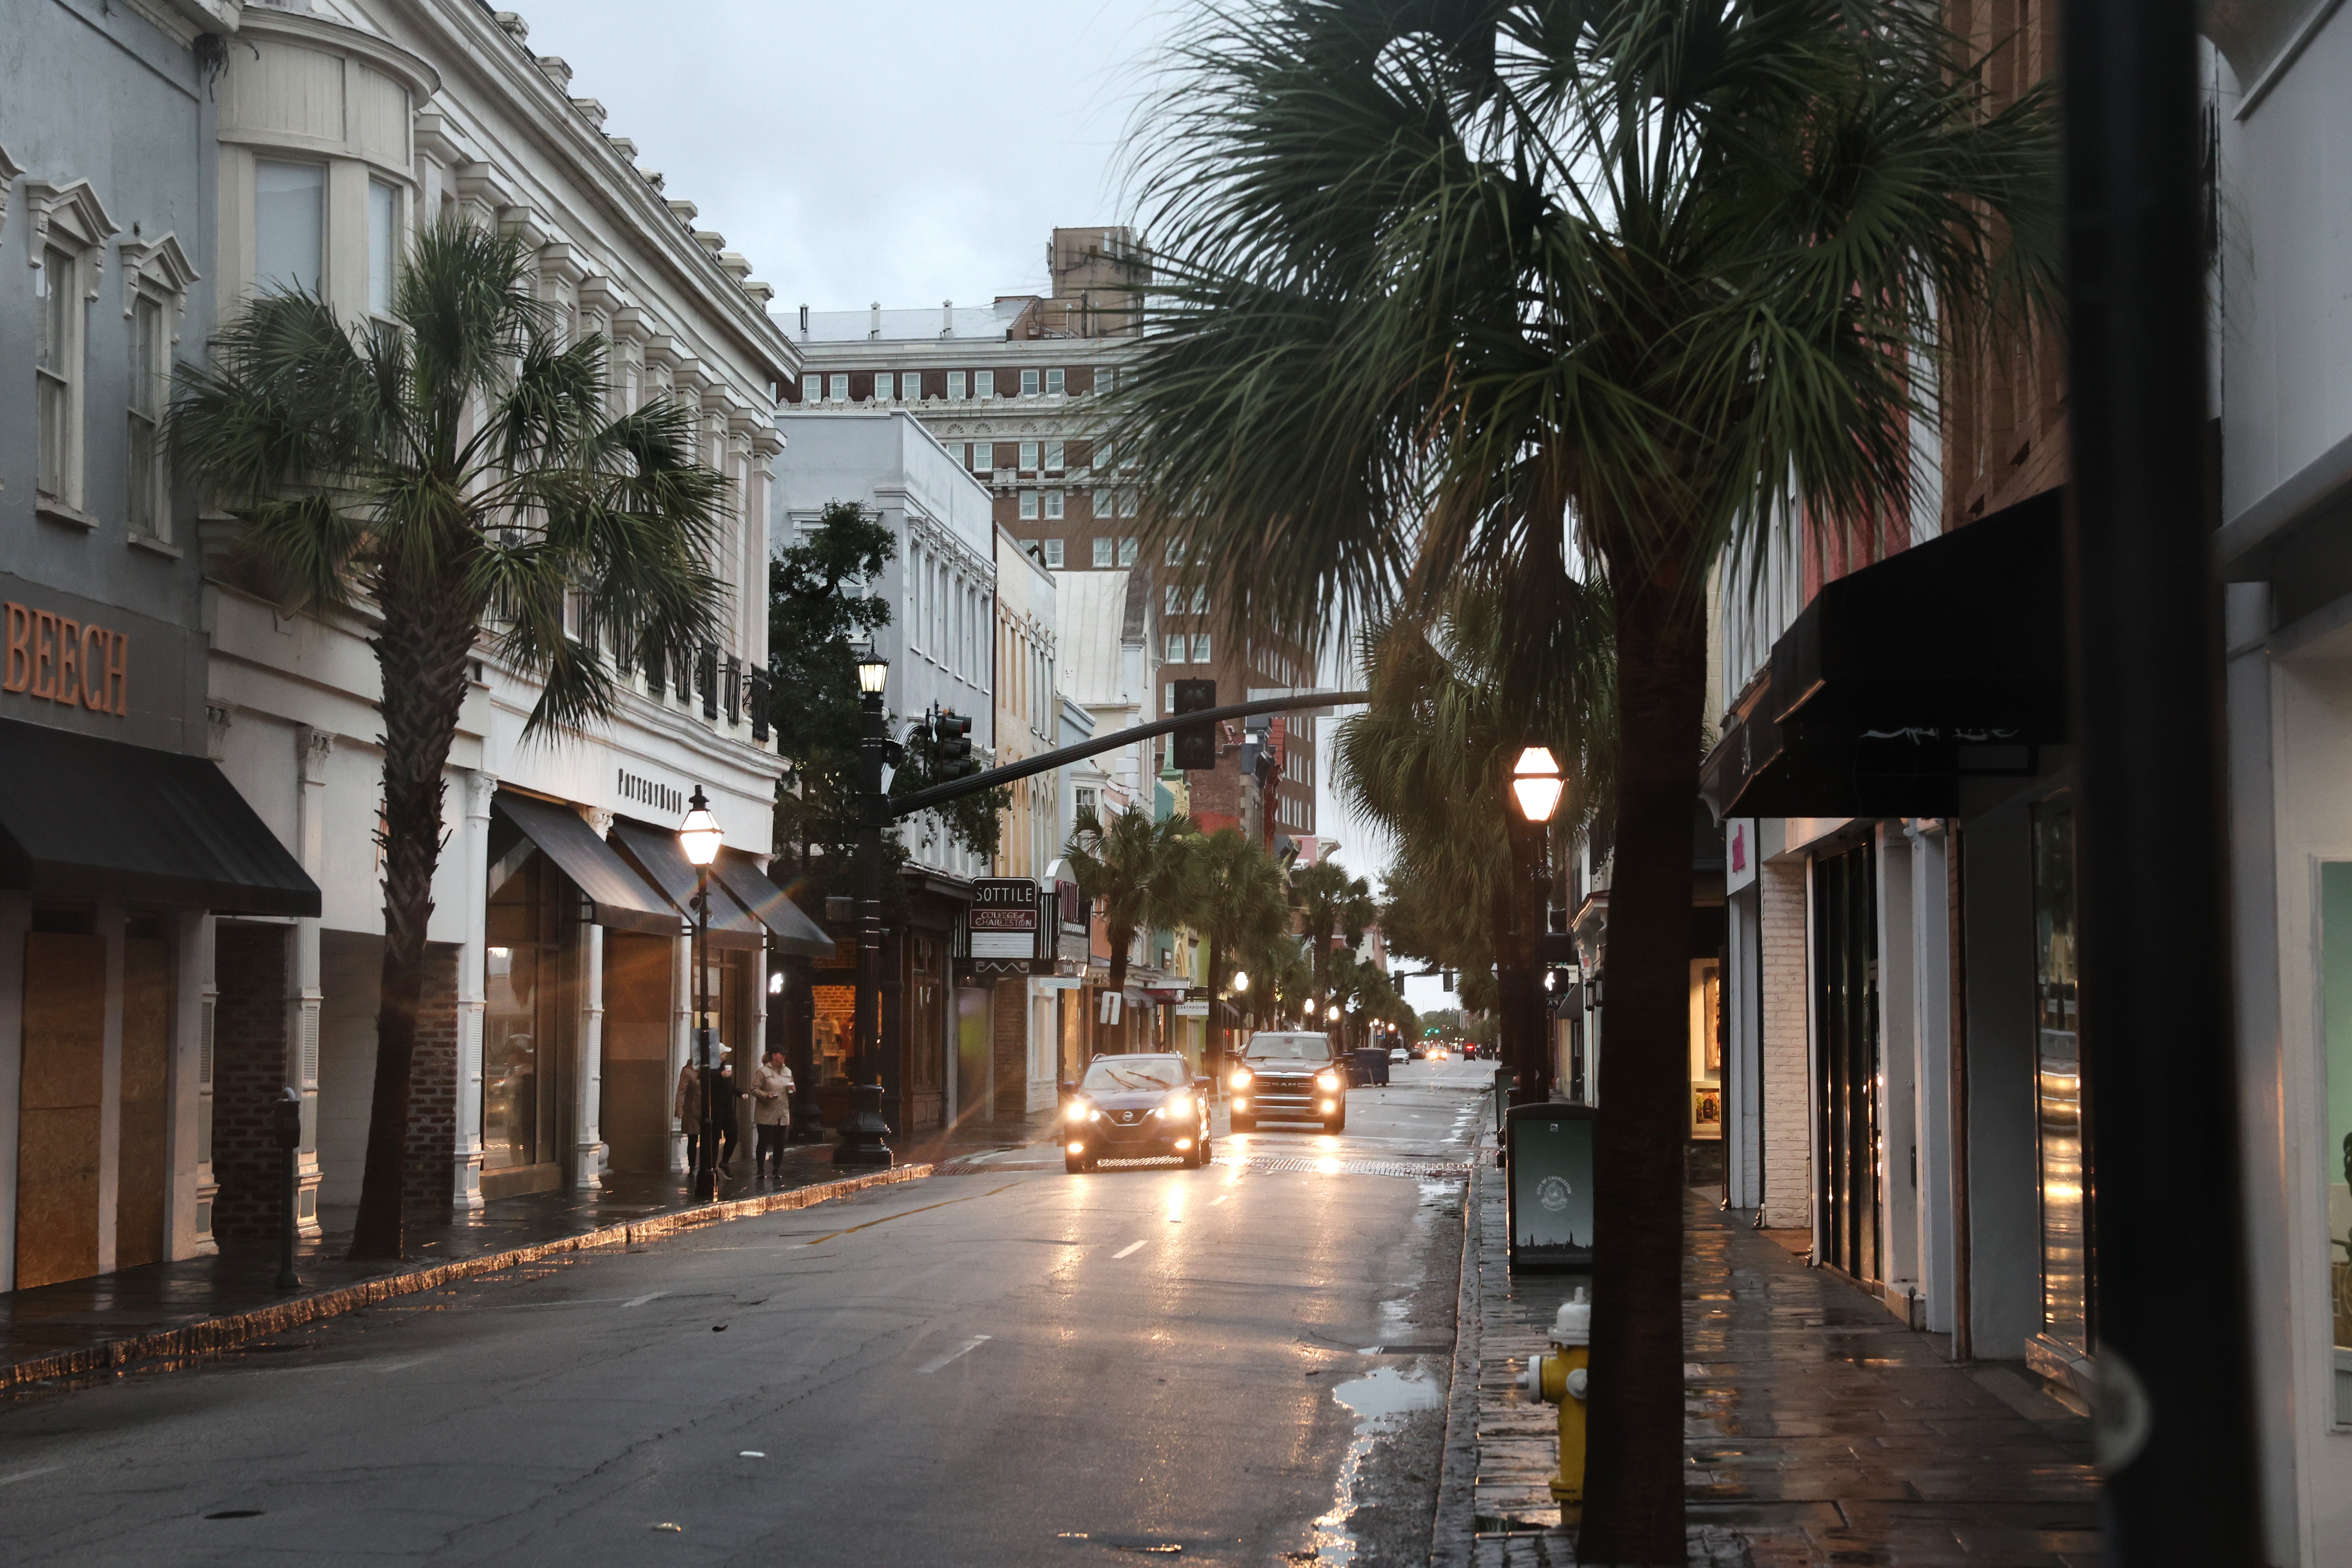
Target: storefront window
pixel 520 976
pixel 2336 1149
pixel 2064 1145
pixel 830 1039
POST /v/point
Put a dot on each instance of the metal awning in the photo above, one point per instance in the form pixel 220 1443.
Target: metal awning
pixel 1944 661
pixel 657 853
pixel 616 896
pixel 86 818
pixel 790 931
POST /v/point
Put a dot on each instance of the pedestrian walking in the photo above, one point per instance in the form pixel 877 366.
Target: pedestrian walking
pixel 726 1100
pixel 772 1113
pixel 688 1107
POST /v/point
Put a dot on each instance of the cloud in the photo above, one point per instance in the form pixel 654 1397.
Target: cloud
pixel 900 150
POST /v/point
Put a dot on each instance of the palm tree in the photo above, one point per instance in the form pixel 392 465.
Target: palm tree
pixel 1136 867
pixel 1329 903
pixel 454 476
pixel 1577 289
pixel 1234 899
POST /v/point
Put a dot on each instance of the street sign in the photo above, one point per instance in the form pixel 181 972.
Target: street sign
pixel 1003 920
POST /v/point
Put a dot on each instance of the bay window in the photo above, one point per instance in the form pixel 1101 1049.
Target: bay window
pixel 289 224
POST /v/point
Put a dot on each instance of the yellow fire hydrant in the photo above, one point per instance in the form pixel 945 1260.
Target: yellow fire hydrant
pixel 1559 1379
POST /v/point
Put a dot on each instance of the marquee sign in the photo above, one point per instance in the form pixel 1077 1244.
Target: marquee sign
pixel 1003 919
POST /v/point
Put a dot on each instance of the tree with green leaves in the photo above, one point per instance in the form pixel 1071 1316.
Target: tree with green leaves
pixel 454 475
pixel 1582 287
pixel 1137 868
pixel 1454 700
pixel 1234 899
pixel 1329 903
pixel 819 611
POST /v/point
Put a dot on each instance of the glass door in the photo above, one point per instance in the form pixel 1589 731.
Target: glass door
pixel 1845 959
pixel 2062 1132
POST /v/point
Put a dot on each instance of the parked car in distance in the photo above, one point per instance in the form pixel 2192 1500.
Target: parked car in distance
pixel 1134 1108
pixel 1289 1076
pixel 1399 1054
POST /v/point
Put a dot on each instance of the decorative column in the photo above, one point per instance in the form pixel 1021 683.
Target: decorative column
pixel 588 1150
pixel 473 852
pixel 304 997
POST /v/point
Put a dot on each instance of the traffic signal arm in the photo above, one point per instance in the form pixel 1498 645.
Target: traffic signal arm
pixel 1046 762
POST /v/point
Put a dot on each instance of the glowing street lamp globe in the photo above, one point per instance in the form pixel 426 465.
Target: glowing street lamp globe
pixel 700 834
pixel 1536 783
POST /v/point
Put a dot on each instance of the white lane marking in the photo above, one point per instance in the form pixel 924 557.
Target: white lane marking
pixel 969 1345
pixel 1131 1247
pixel 641 1301
pixel 28 1475
pixel 1221 1197
pixel 402 1365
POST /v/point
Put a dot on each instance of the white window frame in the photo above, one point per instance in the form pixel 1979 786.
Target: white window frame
pixel 318 284
pixel 983 384
pixel 384 247
pixel 70 227
pixel 836 386
pixel 1201 647
pixel 1029 506
pixel 1054 452
pixel 1056 382
pixel 1173 602
pixel 1053 506
pixel 1029 383
pixel 1106 551
pixel 1103 504
pixel 956 392
pixel 1053 555
pixel 1176 648
pixel 1127 550
pixel 1028 456
pixel 158 274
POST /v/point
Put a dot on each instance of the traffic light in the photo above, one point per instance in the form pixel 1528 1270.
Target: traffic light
pixel 953 751
pixel 1194 747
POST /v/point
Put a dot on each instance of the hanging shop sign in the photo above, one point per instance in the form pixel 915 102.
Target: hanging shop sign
pixel 1003 919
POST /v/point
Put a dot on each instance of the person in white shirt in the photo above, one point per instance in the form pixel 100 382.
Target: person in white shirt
pixel 771 1111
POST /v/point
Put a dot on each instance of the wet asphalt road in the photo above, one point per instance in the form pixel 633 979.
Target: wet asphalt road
pixel 1247 1363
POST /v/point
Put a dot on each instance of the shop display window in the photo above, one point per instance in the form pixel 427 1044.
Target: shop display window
pixel 521 974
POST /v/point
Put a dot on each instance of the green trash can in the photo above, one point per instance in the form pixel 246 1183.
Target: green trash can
pixel 1548 1167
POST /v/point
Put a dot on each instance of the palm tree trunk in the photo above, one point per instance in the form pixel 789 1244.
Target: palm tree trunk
pixel 1211 1058
pixel 421 656
pixel 1633 1477
pixel 1114 1039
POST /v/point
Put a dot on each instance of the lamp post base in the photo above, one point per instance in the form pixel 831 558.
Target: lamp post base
pixel 863 1132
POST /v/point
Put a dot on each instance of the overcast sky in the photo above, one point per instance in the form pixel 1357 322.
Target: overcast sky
pixel 900 150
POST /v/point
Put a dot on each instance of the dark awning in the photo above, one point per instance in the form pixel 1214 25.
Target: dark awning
pixel 617 896
pixel 657 853
pixel 790 931
pixel 1941 662
pixel 86 818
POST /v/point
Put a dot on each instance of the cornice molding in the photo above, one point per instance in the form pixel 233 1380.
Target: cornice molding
pixel 10 169
pixel 162 263
pixel 76 209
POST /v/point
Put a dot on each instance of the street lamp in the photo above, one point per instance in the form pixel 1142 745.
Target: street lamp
pixel 1535 786
pixel 1536 783
pixel 1241 981
pixel 863 1132
pixel 700 835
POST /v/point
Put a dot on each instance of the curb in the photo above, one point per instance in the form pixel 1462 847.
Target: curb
pixel 1453 1530
pixel 219 1334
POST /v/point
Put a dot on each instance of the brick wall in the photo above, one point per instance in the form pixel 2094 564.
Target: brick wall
pixel 430 1176
pixel 1787 1090
pixel 248 1071
pixel 1011 1006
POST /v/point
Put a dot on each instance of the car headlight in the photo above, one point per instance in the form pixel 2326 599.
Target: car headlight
pixel 1326 1080
pixel 1177 1105
pixel 1077 1110
pixel 1242 1077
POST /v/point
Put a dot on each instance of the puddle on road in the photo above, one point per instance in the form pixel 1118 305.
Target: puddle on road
pixel 1380 1401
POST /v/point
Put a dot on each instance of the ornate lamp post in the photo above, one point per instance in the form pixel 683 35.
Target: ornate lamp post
pixel 864 1131
pixel 700 835
pixel 1535 786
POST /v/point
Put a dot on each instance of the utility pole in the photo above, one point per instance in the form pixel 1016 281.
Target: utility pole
pixel 2174 1439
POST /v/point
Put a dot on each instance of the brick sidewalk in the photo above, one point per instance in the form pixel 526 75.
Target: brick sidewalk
pixel 1819 1430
